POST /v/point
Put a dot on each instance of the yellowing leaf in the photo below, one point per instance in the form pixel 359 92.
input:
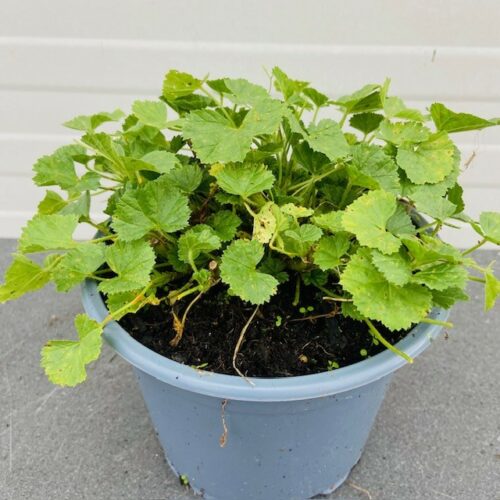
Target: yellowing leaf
pixel 65 361
pixel 23 276
pixel 428 162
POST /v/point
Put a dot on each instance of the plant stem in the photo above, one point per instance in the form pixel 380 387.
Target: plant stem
pixel 432 321
pixel 240 341
pixel 296 298
pixel 475 278
pixel 382 340
pixel 475 247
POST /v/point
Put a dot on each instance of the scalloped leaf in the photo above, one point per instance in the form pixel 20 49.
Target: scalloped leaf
pixel 238 269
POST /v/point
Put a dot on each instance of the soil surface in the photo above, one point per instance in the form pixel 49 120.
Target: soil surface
pixel 282 340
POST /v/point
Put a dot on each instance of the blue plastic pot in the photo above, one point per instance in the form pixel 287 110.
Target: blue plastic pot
pixel 285 438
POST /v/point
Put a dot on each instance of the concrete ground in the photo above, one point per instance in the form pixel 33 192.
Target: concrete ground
pixel 437 436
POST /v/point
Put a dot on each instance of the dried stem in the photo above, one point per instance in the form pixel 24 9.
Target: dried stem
pixel 240 341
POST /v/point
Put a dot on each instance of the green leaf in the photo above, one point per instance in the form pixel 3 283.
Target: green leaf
pixel 448 121
pixel 298 241
pixel 286 85
pixel 372 168
pixel 491 290
pixel 327 137
pixel 490 224
pixel 155 207
pixel 447 297
pixel 103 145
pixel 215 137
pixel 330 221
pixel 89 123
pixel 395 267
pixel 58 169
pixel 366 98
pixel 426 250
pixel 78 264
pixel 238 270
pixel 177 84
pixel 400 223
pixel 225 224
pixel 441 276
pixel 195 241
pixel 428 203
pixel 318 98
pixel 403 132
pixel 330 250
pixel 162 161
pixel 48 232
pixel 394 107
pixel 367 218
pixel 243 92
pixel 244 179
pixel 366 122
pixel 428 162
pixel 65 361
pixel 152 113
pixel 186 177
pixel 22 276
pixel 132 262
pixel 397 307
pixel 51 203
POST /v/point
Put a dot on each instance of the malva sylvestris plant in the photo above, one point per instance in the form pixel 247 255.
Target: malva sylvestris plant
pixel 224 181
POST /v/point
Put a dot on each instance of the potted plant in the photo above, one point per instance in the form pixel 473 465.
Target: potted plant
pixel 264 270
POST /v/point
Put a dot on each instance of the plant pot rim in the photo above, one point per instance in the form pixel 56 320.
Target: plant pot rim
pixel 260 389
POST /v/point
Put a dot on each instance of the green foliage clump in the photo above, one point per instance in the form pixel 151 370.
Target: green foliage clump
pixel 224 181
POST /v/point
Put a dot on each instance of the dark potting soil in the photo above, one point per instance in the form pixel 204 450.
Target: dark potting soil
pixel 282 340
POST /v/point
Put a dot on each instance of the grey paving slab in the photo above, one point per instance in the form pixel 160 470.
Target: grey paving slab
pixel 437 436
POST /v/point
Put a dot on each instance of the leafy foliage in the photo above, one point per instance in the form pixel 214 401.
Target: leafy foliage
pixel 221 182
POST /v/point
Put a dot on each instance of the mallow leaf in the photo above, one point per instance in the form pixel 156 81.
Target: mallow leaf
pixel 155 207
pixel 395 267
pixel 428 162
pixel 178 84
pixel 89 123
pixel 162 161
pixel 22 276
pixel 298 241
pixel 441 276
pixel 490 225
pixel 397 307
pixel 367 218
pixel 366 122
pixel 330 250
pixel 448 121
pixel 152 113
pixel 186 177
pixel 244 179
pixel 77 264
pixel 132 262
pixel 330 221
pixel 491 290
pixel 372 168
pixel 58 169
pixel 48 232
pixel 65 361
pixel 225 224
pixel 447 297
pixel 196 240
pixel 239 270
pixel 327 137
pixel 403 132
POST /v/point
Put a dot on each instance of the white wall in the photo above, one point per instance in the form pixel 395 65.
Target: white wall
pixel 60 58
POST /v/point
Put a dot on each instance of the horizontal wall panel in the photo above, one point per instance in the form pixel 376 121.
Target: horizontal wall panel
pixel 136 67
pixel 386 22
